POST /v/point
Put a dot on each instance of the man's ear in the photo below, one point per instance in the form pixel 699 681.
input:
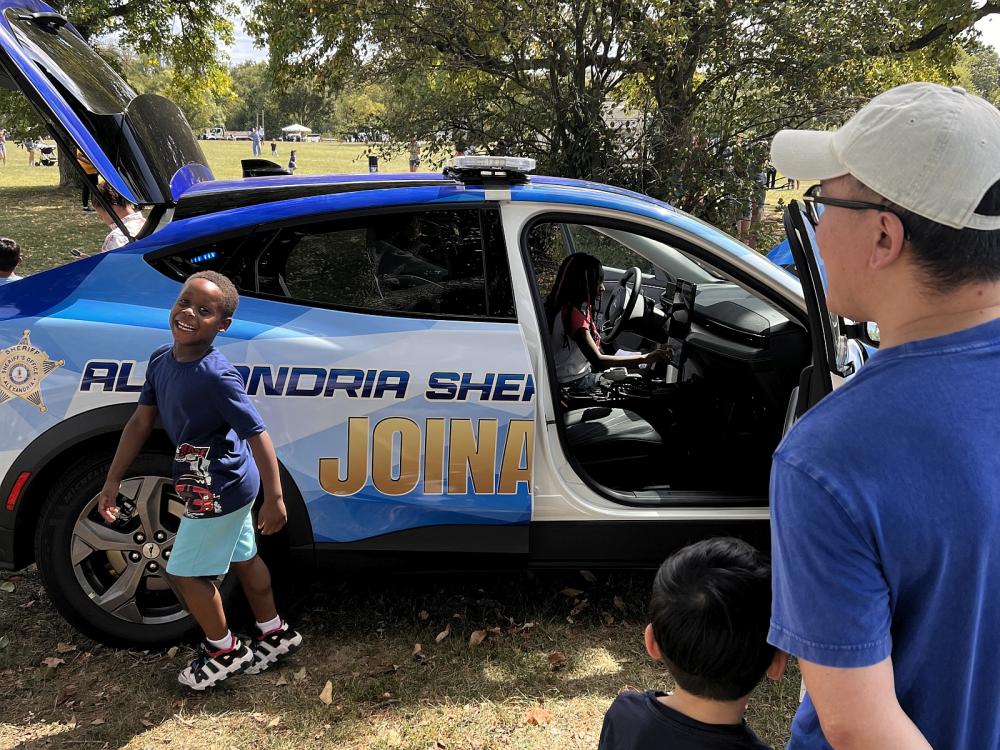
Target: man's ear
pixel 652 647
pixel 889 245
pixel 776 669
pixel 224 325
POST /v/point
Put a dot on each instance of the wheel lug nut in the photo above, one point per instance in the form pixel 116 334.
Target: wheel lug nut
pixel 139 538
pixel 160 536
pixel 153 567
pixel 166 554
pixel 134 556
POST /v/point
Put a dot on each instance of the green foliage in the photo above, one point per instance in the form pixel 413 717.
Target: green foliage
pixel 700 85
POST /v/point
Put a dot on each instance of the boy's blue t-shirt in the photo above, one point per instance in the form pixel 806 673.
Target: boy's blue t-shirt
pixel 207 415
pixel 638 721
pixel 885 529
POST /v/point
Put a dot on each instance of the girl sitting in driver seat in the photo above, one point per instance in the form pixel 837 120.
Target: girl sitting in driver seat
pixel 570 309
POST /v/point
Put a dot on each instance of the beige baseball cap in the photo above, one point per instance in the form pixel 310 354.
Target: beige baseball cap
pixel 931 149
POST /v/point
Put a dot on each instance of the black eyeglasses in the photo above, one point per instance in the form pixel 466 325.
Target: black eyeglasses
pixel 813 214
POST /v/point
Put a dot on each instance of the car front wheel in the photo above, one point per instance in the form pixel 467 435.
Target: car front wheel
pixel 109 580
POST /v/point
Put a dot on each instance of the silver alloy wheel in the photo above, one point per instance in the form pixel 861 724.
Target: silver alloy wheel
pixel 121 567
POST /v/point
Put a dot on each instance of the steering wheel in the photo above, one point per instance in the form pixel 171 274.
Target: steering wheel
pixel 622 303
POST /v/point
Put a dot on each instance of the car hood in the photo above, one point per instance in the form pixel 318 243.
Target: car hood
pixel 140 144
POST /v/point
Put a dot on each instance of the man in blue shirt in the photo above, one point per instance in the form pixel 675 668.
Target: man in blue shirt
pixel 885 497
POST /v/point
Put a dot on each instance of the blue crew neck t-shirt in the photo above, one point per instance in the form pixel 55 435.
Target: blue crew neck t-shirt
pixel 208 417
pixel 885 528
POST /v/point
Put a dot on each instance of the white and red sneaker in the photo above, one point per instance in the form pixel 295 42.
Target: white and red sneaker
pixel 273 645
pixel 211 666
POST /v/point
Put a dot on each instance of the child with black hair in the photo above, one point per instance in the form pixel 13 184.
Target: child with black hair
pixel 570 310
pixel 291 161
pixel 710 612
pixel 223 457
pixel 10 256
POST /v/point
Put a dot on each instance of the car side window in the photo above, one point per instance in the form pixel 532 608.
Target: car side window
pixel 611 252
pixel 441 262
pixel 546 244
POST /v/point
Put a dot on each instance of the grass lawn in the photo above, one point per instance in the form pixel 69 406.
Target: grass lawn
pixel 558 646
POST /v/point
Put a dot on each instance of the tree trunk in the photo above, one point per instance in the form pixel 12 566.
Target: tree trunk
pixel 68 177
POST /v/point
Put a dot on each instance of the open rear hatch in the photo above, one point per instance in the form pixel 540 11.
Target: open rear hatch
pixel 141 145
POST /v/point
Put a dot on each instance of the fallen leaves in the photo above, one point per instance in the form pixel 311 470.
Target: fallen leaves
pixel 4 641
pixel 64 648
pixel 300 674
pixel 326 696
pixel 424 614
pixel 571 593
pixel 537 717
pixel 619 604
pixel 443 634
pixel 418 652
pixel 52 662
pixel 281 681
pixel 556 660
pixel 97 722
pixel 588 576
pixel 172 652
pixel 7 587
pixel 477 637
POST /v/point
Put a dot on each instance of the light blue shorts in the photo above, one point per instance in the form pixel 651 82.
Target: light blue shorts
pixel 206 546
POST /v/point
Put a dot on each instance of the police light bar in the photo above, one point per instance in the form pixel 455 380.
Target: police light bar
pixel 495 163
pixel 473 170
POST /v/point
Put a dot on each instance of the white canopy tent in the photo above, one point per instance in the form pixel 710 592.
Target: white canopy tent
pixel 296 128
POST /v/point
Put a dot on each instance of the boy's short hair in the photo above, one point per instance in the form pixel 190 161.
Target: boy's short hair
pixel 230 297
pixel 710 612
pixel 10 254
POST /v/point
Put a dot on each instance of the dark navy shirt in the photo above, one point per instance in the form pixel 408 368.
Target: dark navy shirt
pixel 638 721
pixel 207 415
pixel 885 513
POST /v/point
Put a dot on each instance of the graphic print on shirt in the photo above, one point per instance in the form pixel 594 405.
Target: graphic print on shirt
pixel 195 485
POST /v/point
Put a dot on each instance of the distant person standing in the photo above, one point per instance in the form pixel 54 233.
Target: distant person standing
pixel 414 155
pixel 10 256
pixel 274 148
pixel 3 146
pixel 291 162
pixel 31 145
pixel 255 135
pixel 89 179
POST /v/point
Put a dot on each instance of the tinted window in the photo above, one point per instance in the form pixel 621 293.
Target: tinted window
pixel 546 248
pixel 69 60
pixel 445 262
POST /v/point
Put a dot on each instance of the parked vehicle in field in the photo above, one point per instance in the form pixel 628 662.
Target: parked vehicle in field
pixel 392 335
pixel 221 134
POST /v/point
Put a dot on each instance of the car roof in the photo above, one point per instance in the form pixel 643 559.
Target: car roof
pixel 221 195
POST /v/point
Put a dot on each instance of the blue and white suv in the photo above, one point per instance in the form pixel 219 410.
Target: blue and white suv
pixel 391 333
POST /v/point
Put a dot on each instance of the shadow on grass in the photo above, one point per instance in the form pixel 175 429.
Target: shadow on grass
pixel 555 640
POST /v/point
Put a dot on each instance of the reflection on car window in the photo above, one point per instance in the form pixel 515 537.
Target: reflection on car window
pixel 431 262
pixel 67 58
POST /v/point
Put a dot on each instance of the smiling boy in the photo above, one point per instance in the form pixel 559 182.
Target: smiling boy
pixel 223 457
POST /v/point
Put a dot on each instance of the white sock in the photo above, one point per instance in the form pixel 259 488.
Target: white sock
pixel 267 627
pixel 223 643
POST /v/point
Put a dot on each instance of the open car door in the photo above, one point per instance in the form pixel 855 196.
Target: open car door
pixel 140 144
pixel 831 353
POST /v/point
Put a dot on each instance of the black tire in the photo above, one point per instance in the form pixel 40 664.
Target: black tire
pixel 72 585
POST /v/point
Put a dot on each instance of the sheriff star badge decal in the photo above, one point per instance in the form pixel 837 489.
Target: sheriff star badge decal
pixel 22 368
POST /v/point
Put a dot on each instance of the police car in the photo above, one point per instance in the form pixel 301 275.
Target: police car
pixel 392 334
